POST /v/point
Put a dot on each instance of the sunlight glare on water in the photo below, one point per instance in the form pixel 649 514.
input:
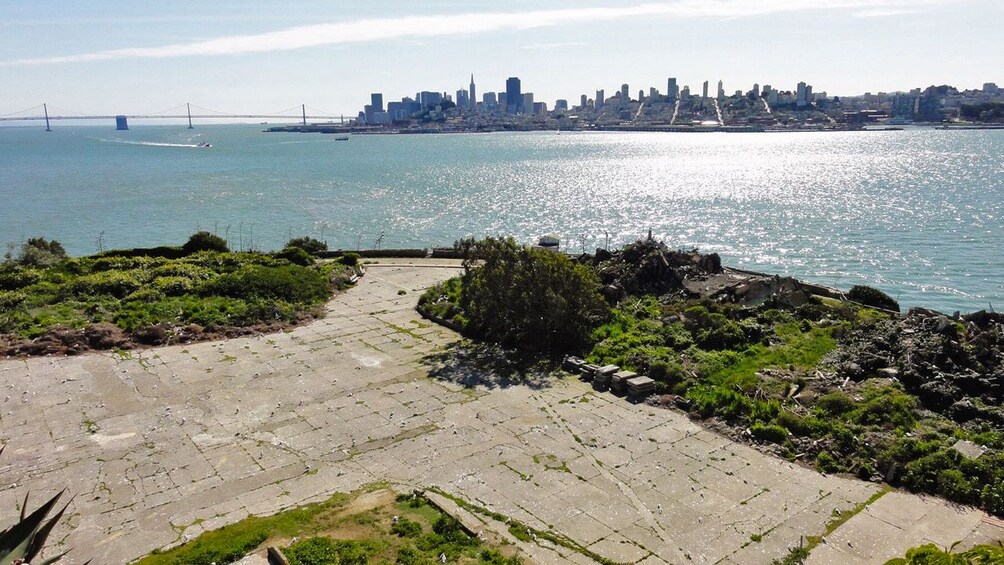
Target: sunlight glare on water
pixel 916 213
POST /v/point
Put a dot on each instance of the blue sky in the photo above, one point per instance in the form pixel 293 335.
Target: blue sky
pixel 258 57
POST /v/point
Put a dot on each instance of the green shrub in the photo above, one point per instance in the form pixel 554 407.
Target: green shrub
pixel 37 252
pixel 112 283
pixel 872 297
pixel 292 283
pixel 10 299
pixel 15 277
pixel 953 485
pixel 769 432
pixel 350 259
pixel 173 286
pixel 312 551
pixel 721 401
pixel 183 269
pixel 826 463
pixel 204 241
pixel 406 528
pixel 308 244
pixel 835 403
pixel 296 256
pixel 992 498
pixel 225 545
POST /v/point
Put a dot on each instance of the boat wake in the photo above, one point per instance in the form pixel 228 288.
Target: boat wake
pixel 153 143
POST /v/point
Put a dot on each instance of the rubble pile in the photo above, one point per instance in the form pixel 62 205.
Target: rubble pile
pixel 649 267
pixel 954 365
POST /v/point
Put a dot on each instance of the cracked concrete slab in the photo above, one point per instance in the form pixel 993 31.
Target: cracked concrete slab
pixel 153 441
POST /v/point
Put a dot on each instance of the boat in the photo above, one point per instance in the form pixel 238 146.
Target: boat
pixel 342 138
pixel 204 144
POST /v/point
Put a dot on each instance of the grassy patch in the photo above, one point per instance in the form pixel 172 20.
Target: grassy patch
pixel 367 526
pixel 208 289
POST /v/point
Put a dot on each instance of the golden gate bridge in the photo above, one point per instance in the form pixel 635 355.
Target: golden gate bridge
pixel 41 113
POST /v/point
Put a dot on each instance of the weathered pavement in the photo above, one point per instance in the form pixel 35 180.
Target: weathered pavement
pixel 159 445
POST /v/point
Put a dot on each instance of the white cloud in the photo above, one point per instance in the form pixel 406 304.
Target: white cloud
pixel 885 13
pixel 369 30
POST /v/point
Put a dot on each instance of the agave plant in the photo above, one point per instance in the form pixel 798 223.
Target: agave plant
pixel 23 541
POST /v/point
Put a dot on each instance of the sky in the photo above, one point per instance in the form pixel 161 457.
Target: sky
pixel 104 57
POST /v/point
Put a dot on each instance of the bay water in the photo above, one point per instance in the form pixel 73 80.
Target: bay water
pixel 918 213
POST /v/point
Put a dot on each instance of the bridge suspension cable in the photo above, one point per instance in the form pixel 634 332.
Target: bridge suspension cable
pixel 33 108
pixel 319 111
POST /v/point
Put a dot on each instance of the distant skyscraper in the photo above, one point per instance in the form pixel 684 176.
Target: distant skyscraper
pixel 462 99
pixel 513 95
pixel 653 92
pixel 583 101
pixel 489 100
pixel 527 104
pixel 473 93
pixel 802 98
pixel 756 90
pixel 625 92
pixel 600 100
pixel 672 90
pixel 721 90
pixel 704 93
pixel 641 95
pixel 685 93
pixel 561 104
pixel 376 100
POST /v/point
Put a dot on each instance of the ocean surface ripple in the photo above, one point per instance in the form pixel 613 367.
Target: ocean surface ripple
pixel 917 213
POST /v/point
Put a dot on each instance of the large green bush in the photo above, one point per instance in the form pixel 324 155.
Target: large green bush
pixel 872 297
pixel 308 244
pixel 291 283
pixel 515 295
pixel 204 241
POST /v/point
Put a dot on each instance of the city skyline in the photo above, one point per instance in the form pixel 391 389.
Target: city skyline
pixel 108 58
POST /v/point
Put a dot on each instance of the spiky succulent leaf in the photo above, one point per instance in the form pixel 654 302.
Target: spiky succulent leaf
pixel 38 540
pixel 15 542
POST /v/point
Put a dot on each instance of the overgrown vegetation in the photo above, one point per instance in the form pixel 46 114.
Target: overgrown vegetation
pixel 846 388
pixel 404 529
pixel 931 554
pixel 517 296
pixel 170 294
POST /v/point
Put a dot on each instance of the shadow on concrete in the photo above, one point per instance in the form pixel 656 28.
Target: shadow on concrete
pixel 472 364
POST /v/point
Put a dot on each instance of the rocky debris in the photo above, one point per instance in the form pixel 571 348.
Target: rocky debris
pixel 784 291
pixel 649 267
pixel 105 336
pixel 955 365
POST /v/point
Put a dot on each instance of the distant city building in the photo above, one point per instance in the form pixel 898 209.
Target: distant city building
pixel 704 92
pixel 489 100
pixel 376 100
pixel 473 94
pixel 428 99
pixel 625 93
pixel 583 101
pixel 653 92
pixel 641 95
pixel 991 88
pixel 462 99
pixel 539 108
pixel 527 103
pixel 600 100
pixel 721 90
pixel 801 96
pixel 756 90
pixel 672 91
pixel 561 104
pixel 685 93
pixel 513 95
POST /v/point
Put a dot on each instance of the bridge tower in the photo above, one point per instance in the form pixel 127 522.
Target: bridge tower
pixel 304 108
pixel 188 105
pixel 46 109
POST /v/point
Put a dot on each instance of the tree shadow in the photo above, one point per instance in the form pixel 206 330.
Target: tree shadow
pixel 472 364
